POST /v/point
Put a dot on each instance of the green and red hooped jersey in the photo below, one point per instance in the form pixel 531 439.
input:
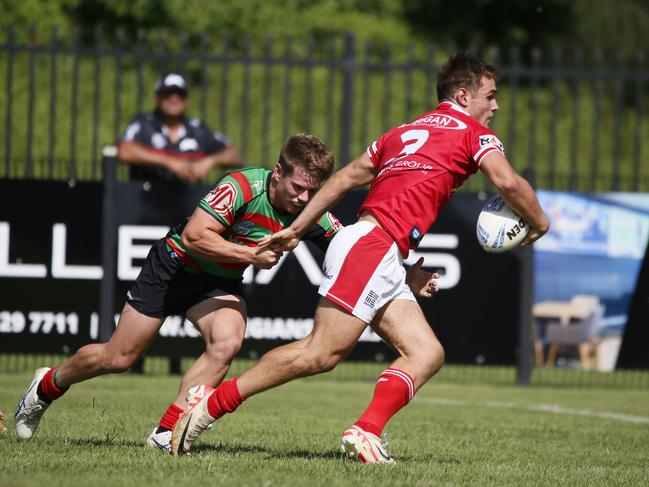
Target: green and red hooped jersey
pixel 239 201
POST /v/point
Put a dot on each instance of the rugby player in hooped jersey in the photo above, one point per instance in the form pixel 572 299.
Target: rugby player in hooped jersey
pixel 197 270
pixel 413 169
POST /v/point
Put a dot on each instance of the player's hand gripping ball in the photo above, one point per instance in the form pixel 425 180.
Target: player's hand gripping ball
pixel 499 228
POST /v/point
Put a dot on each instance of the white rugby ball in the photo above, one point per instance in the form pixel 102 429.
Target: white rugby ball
pixel 499 228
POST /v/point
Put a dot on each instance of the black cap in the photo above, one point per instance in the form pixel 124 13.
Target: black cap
pixel 169 83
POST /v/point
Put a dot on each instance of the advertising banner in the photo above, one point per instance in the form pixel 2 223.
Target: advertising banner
pixel 50 274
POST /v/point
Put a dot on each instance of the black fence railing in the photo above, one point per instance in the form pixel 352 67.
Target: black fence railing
pixel 574 119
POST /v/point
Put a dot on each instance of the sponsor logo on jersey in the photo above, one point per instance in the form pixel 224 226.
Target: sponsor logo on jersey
pixel 415 237
pixel 257 185
pixel 158 141
pixel 491 140
pixel 231 237
pixel 219 137
pixel 187 145
pixel 221 199
pixel 243 227
pixel 132 130
pixel 440 122
pixel 403 165
pixel 335 222
pixel 371 298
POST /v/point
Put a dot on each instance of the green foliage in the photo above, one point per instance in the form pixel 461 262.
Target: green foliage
pixel 42 15
pixel 540 23
pixel 448 435
pixel 499 23
pixel 621 24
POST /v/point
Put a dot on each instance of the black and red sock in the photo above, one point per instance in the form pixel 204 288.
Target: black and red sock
pixel 48 390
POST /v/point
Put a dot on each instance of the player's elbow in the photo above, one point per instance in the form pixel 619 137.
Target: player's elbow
pixel 189 238
pixel 508 184
pixel 233 156
pixel 127 152
pixel 229 157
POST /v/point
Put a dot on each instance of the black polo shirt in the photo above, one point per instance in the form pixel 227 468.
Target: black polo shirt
pixel 195 142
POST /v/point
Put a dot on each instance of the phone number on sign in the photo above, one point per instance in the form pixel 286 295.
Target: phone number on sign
pixel 39 322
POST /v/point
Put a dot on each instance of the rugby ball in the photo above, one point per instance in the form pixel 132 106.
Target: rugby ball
pixel 499 228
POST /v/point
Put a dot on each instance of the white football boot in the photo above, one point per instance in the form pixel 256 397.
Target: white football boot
pixel 366 447
pixel 31 408
pixel 193 420
pixel 161 441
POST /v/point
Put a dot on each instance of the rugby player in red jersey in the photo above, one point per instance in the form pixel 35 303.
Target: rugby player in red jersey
pixel 197 270
pixel 413 170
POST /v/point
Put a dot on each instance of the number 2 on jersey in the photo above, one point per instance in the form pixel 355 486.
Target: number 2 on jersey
pixel 413 140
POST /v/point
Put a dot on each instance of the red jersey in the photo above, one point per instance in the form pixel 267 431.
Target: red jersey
pixel 419 164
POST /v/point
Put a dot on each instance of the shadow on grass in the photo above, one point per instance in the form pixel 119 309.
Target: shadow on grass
pixel 101 443
pixel 274 453
pixel 279 453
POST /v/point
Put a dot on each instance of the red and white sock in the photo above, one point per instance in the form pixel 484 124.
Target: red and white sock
pixel 394 389
pixel 170 417
pixel 225 399
pixel 48 390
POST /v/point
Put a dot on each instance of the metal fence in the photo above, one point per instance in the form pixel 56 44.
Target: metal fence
pixel 574 119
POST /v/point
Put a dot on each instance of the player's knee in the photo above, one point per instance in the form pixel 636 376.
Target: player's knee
pixel 224 351
pixel 437 356
pixel 429 355
pixel 321 363
pixel 120 363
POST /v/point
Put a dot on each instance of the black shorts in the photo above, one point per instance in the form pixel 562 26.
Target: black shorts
pixel 165 287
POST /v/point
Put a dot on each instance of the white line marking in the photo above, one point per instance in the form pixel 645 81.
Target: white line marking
pixel 544 408
pixel 441 400
pixel 555 408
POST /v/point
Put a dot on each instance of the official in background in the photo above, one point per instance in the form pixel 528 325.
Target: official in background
pixel 166 145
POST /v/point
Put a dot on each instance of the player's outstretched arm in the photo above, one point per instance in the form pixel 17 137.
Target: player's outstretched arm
pixel 357 173
pixel 518 194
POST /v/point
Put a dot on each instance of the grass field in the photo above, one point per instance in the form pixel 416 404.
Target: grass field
pixel 449 435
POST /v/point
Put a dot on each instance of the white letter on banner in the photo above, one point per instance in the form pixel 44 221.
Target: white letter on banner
pixel 59 268
pixel 450 263
pixel 16 270
pixel 127 250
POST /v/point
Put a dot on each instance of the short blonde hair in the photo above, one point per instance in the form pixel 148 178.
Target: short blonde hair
pixel 308 152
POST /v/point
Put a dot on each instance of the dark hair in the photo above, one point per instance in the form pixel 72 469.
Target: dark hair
pixel 308 152
pixel 463 70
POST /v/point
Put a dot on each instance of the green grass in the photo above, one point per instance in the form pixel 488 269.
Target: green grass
pixel 450 434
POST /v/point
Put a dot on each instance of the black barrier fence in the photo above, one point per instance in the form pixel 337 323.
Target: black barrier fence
pixel 51 303
pixel 52 275
pixel 574 118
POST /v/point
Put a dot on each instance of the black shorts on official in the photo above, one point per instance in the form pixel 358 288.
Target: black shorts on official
pixel 165 287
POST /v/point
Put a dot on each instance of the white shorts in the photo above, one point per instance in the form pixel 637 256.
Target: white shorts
pixel 363 270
